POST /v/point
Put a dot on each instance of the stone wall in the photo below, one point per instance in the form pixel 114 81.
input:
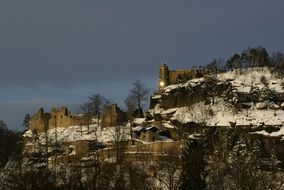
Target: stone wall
pixel 155 151
pixel 148 136
pixel 113 116
pixel 63 118
pixel 146 152
pixel 41 121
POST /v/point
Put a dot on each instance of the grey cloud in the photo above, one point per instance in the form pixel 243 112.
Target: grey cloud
pixel 64 50
pixel 61 42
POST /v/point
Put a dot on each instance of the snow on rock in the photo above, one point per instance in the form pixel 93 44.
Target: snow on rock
pixel 28 134
pixel 169 126
pixel 279 133
pixel 261 105
pixel 75 133
pixel 156 96
pixel 282 106
pixel 164 138
pixel 220 115
pixel 139 121
pixel 190 83
pixel 221 119
pixel 182 115
pixel 137 129
pixel 257 77
pixel 169 111
pixel 274 106
pixel 195 136
pixel 243 80
pixel 157 109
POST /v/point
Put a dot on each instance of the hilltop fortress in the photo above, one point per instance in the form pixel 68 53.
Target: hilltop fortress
pixel 41 121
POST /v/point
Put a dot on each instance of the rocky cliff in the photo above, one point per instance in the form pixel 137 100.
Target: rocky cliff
pixel 248 100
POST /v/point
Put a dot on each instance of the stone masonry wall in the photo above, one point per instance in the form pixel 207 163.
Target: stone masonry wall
pixel 169 77
pixel 113 116
pixel 41 121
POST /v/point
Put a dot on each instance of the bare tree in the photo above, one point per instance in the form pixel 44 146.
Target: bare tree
pixel 169 171
pixel 94 108
pixel 130 109
pixel 137 176
pixel 118 137
pixel 97 103
pixel 138 94
pixel 86 109
pixel 16 178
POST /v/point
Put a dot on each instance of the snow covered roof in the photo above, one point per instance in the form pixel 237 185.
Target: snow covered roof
pixel 151 128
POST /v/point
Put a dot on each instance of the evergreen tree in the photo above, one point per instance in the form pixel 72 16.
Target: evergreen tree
pixel 263 57
pixel 26 121
pixel 212 68
pixel 193 164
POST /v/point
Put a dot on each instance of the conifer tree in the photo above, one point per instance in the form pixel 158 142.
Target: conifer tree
pixel 26 121
pixel 193 164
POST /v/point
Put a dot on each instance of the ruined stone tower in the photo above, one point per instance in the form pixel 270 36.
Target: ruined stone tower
pixel 113 116
pixel 39 121
pixel 163 76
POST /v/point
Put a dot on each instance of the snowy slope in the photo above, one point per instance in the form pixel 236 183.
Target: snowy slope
pixel 75 133
pixel 222 116
pixel 261 113
pixel 243 80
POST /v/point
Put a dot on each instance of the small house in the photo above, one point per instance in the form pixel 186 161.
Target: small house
pixel 149 134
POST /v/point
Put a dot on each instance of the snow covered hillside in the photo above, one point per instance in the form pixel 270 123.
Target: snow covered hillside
pixel 251 97
pixel 77 133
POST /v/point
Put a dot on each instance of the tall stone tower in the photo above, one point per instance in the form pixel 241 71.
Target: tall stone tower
pixel 163 76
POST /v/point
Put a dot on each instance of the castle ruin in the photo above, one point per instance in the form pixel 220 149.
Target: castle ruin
pixel 41 121
pixel 169 77
pixel 113 116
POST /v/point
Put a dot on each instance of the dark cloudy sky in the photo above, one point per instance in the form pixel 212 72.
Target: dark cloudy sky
pixel 58 52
